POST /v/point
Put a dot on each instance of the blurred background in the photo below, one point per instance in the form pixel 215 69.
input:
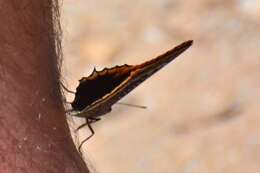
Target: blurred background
pixel 203 108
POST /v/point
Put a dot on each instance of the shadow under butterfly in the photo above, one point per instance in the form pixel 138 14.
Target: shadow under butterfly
pixel 97 93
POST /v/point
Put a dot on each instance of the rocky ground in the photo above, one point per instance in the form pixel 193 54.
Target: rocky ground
pixel 203 109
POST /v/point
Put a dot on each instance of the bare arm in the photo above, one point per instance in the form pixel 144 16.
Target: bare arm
pixel 34 134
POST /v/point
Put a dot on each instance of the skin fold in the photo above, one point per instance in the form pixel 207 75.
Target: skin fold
pixel 34 134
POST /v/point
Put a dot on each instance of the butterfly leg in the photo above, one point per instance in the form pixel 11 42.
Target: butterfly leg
pixel 66 89
pixel 88 123
pixel 69 91
pixel 93 120
pixel 69 111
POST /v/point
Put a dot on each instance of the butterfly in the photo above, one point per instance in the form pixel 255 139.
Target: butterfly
pixel 97 93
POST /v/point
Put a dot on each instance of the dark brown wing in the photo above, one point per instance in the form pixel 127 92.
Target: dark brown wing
pixel 98 84
pixel 102 89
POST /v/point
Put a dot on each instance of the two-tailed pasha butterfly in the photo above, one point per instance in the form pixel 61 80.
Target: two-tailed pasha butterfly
pixel 97 93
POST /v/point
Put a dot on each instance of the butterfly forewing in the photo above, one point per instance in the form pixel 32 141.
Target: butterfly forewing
pixel 99 84
pixel 97 93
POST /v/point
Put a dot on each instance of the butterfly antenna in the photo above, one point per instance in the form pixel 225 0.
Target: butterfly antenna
pixel 66 89
pixel 131 105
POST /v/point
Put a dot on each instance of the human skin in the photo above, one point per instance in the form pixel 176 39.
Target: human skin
pixel 34 134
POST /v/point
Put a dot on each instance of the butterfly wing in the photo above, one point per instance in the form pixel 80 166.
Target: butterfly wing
pixel 99 84
pixel 131 77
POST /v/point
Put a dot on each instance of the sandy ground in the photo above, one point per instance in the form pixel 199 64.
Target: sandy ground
pixel 203 109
